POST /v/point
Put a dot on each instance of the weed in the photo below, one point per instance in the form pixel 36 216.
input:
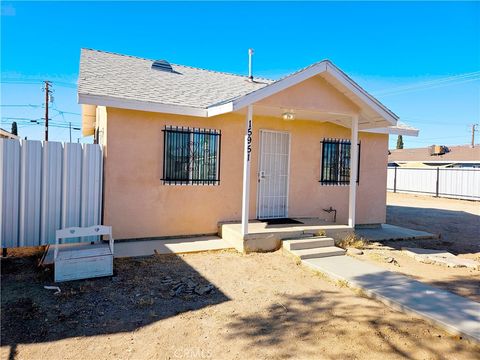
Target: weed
pixel 321 233
pixel 343 283
pixel 352 240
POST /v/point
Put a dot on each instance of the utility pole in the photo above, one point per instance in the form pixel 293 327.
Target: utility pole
pixel 70 126
pixel 474 128
pixel 47 98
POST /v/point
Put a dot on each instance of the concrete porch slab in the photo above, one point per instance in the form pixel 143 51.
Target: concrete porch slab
pixel 454 313
pixel 386 232
pixel 265 237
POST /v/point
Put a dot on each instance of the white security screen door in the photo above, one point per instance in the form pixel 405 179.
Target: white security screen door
pixel 272 198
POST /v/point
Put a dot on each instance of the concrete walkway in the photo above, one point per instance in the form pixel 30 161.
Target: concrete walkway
pixel 454 313
pixel 150 247
pixel 388 232
pixel 169 246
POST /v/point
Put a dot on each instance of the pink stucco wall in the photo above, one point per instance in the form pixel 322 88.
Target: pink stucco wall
pixel 138 204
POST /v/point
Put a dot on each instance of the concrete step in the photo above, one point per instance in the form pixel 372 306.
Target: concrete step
pixel 318 252
pixel 308 243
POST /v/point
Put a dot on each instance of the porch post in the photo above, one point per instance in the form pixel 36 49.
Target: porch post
pixel 246 169
pixel 353 172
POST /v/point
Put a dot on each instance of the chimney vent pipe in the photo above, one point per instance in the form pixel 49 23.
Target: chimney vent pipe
pixel 250 76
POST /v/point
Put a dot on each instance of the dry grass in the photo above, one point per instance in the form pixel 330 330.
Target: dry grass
pixel 353 240
pixel 321 233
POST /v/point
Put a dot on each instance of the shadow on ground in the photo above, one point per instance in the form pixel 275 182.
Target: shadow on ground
pixel 459 230
pixel 136 296
pixel 307 323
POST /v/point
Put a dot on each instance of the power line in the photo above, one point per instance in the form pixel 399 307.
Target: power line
pixel 36 81
pixel 446 81
pixel 18 118
pixel 39 121
pixel 21 105
pixel 64 112
pixel 436 138
pixel 431 82
pixel 37 106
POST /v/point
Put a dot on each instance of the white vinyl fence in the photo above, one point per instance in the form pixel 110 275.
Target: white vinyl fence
pixel 460 183
pixel 45 186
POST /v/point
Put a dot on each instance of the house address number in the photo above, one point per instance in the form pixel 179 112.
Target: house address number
pixel 249 139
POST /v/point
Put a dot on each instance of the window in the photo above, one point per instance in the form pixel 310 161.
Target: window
pixel 191 156
pixel 336 162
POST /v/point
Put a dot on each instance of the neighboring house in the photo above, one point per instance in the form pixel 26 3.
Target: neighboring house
pixel 4 134
pixel 464 156
pixel 187 148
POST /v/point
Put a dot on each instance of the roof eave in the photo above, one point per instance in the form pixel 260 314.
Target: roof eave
pixel 394 130
pixel 109 101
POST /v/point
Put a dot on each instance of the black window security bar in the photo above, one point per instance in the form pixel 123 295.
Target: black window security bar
pixel 191 156
pixel 335 168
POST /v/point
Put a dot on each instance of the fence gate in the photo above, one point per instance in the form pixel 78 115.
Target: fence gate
pixel 45 186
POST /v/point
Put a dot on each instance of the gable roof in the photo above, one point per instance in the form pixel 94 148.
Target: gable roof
pixel 130 82
pixel 461 153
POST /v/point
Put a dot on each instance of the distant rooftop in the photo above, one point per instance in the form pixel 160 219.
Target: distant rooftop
pixel 453 153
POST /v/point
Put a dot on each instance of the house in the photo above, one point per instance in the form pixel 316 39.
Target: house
pixel 186 148
pixel 4 134
pixel 461 156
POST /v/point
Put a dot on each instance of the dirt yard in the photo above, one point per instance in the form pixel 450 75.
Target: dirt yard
pixel 260 306
pixel 458 223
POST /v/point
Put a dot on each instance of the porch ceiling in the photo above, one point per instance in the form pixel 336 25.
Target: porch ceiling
pixel 342 119
pixel 302 114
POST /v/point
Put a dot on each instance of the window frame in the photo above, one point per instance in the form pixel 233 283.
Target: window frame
pixel 189 150
pixel 341 163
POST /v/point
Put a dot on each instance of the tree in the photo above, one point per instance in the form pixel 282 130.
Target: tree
pixel 400 142
pixel 14 128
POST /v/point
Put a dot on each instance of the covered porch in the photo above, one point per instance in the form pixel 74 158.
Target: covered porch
pixel 320 94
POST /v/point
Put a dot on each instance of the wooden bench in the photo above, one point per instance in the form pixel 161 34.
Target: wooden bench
pixel 83 260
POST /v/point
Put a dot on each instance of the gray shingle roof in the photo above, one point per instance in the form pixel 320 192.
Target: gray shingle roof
pixel 127 77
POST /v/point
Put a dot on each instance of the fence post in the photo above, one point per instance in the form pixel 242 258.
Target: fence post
pixel 438 177
pixel 395 180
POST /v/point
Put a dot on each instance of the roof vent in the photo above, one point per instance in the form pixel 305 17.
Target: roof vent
pixel 162 65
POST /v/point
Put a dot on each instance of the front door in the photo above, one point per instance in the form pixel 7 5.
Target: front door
pixel 272 194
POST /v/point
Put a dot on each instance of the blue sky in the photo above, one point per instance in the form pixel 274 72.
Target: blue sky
pixel 422 60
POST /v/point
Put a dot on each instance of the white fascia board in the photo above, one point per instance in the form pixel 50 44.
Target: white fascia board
pixel 220 109
pixel 394 130
pixel 279 85
pixel 140 105
pixel 268 90
pixel 362 94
